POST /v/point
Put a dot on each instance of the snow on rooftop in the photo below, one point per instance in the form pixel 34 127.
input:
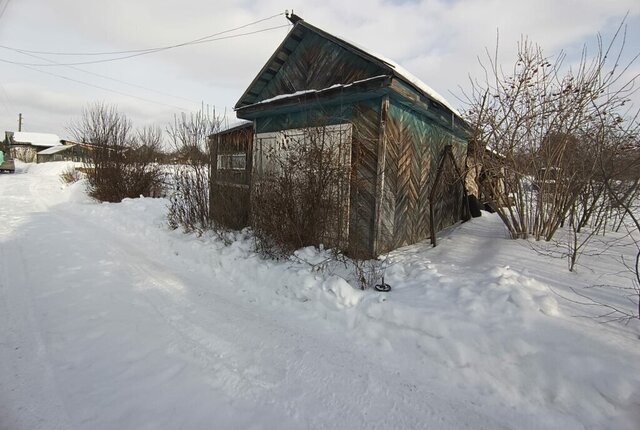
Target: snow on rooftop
pixel 406 75
pixel 36 139
pixel 55 149
pixel 302 92
pixel 231 123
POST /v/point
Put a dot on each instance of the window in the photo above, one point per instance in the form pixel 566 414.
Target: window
pixel 235 161
pixel 271 148
pixel 316 153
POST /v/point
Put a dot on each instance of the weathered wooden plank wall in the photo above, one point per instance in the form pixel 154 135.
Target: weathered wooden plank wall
pixel 317 63
pixel 364 177
pixel 229 188
pixel 447 192
pixel 413 149
pixel 306 117
pixel 365 119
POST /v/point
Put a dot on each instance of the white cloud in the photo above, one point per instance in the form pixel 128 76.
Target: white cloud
pixel 437 40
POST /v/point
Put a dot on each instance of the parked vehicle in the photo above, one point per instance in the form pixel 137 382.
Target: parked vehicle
pixel 6 161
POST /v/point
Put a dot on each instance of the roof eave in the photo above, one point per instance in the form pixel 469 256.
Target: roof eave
pixel 366 88
pixel 266 66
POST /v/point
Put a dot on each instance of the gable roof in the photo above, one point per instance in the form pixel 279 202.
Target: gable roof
pixel 55 149
pixel 36 139
pixel 294 37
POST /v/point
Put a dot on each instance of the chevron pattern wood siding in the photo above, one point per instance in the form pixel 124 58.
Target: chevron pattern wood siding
pixel 317 63
pixel 414 147
pixel 447 193
pixel 364 161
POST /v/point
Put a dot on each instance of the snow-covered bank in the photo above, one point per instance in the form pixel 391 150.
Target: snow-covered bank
pixel 114 321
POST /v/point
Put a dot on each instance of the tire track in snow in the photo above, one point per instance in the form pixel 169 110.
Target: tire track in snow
pixel 245 377
pixel 309 372
pixel 24 358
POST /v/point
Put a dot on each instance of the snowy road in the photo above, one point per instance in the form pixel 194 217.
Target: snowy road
pixel 110 321
pixel 100 332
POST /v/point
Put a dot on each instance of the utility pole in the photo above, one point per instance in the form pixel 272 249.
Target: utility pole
pixel 19 122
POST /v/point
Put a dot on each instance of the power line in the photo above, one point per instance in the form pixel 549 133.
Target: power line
pixel 102 88
pixel 133 51
pixel 138 54
pixel 55 63
pixel 111 78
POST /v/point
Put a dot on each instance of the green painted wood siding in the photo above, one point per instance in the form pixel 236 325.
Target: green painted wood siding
pixel 317 63
pixel 414 146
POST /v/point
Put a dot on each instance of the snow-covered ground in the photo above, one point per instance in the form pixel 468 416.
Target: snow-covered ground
pixel 109 320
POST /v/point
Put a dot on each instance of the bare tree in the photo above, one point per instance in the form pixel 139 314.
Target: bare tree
pixel 121 161
pixel 545 126
pixel 189 200
pixel 619 166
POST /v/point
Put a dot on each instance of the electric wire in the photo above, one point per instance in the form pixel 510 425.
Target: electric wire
pixel 138 54
pixel 114 79
pixel 135 51
pixel 103 88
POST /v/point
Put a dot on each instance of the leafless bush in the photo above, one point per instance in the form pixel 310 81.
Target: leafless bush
pixel 300 191
pixel 122 162
pixel 359 273
pixel 622 188
pixel 369 273
pixel 548 129
pixel 189 200
pixel 70 175
pixel 544 126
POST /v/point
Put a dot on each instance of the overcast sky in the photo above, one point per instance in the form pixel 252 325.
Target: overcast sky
pixel 438 41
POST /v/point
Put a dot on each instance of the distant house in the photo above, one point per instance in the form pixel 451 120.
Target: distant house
pixel 25 145
pixel 406 144
pixel 67 151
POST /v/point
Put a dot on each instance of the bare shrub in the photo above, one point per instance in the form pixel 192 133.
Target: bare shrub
pixel 622 185
pixel 189 199
pixel 544 123
pixel 70 175
pixel 300 191
pixel 122 163
pixel 549 129
pixel 359 273
pixel 369 273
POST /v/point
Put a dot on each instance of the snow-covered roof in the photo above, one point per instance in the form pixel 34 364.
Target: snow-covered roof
pixel 302 92
pixel 272 67
pixel 232 123
pixel 36 139
pixel 405 75
pixel 55 149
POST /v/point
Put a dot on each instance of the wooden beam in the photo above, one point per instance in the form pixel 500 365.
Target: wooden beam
pixel 380 173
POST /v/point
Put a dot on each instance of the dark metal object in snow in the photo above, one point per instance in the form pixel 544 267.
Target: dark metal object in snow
pixel 382 287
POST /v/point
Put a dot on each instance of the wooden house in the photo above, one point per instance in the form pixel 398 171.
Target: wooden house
pixel 406 144
pixel 26 145
pixel 68 151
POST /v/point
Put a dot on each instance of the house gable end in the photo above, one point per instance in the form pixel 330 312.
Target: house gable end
pixel 309 59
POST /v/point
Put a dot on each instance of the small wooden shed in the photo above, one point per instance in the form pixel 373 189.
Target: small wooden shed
pixel 68 151
pixel 26 145
pixel 407 144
